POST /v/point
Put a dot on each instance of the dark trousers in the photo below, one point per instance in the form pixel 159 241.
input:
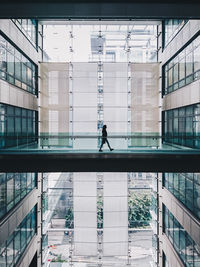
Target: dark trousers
pixel 104 140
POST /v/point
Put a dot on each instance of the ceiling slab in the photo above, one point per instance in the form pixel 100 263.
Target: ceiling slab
pixel 90 9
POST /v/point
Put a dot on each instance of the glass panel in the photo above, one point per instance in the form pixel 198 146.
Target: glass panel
pixel 17 243
pixel 171 226
pixel 23 235
pixel 10 64
pixel 10 191
pixel 2 194
pixel 182 188
pixel 189 250
pixel 189 193
pixel 176 185
pixel 18 66
pixel 23 184
pixel 17 187
pixel 29 182
pixel 12 69
pixel 10 251
pixel 197 61
pixel 3 255
pixel 29 228
pixel 182 244
pixel 176 73
pixel 176 234
pixel 182 69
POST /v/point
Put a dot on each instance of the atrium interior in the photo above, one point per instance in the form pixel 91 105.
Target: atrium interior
pixel 63 201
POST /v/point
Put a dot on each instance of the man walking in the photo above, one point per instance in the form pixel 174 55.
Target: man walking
pixel 104 139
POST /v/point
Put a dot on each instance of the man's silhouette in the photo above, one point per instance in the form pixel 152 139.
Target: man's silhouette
pixel 104 139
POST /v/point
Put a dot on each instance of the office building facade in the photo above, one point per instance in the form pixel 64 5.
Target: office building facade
pixel 179 198
pixel 20 193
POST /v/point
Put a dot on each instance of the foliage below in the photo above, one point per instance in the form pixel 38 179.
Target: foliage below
pixel 139 210
pixel 138 215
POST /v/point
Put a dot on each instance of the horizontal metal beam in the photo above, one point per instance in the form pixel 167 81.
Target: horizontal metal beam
pixel 153 161
pixel 43 9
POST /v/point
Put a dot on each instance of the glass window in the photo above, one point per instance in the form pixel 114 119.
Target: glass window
pixel 14 67
pixel 197 199
pixel 23 234
pixel 176 234
pixel 186 67
pixel 182 244
pixel 197 61
pixel 176 185
pixel 10 191
pixel 24 78
pixel 17 187
pixel 182 69
pixel 18 76
pixel 23 184
pixel 18 126
pixel 196 256
pixel 176 73
pixel 29 227
pixel 10 251
pixel 29 28
pixel 171 225
pixel 189 67
pixel 189 193
pixel 17 244
pixel 3 62
pixel 166 221
pixel 2 194
pixel 10 64
pixel 170 181
pixel 182 188
pixel 170 73
pixel 29 76
pixel 3 255
pixel 34 222
pixel 171 28
pixel 189 250
pixel 16 122
pixel 29 181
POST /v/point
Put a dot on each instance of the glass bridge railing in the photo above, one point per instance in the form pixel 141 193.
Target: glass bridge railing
pixel 91 142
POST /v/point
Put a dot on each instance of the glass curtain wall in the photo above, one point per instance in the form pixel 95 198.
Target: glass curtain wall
pixel 186 188
pixel 16 68
pixel 184 245
pixel 13 188
pixel 183 68
pixel 82 217
pixel 106 41
pixel 18 126
pixel 170 29
pixel 13 248
pixel 29 28
pixel 99 72
pixel 182 126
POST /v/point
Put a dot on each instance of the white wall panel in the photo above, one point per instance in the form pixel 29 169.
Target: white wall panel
pixel 84 87
pixel 85 214
pixel 54 97
pixel 115 220
pixel 145 98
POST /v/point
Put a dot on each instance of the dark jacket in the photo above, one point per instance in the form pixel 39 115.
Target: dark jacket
pixel 104 133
